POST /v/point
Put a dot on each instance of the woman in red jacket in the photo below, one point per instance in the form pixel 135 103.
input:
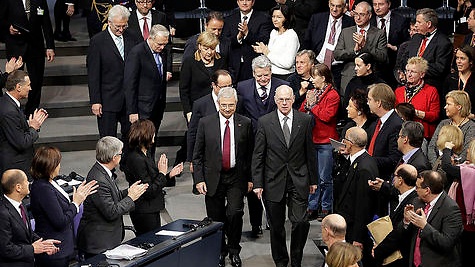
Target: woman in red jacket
pixel 422 96
pixel 322 102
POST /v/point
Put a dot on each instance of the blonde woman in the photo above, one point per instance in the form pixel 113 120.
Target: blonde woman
pixel 342 254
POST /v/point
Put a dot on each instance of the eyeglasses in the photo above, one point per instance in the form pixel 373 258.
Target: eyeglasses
pixel 400 136
pixel 359 14
pixel 347 140
pixel 230 106
pixel 144 2
pixel 119 27
pixel 223 86
pixel 411 71
pixel 282 100
pixel 119 154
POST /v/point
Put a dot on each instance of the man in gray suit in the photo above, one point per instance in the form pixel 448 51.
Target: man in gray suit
pixel 435 223
pixel 355 40
pixel 101 227
pixel 284 172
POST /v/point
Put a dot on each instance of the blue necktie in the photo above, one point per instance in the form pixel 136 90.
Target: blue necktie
pixel 158 62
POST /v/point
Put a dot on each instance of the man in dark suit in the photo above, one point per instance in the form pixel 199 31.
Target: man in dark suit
pixel 284 172
pixel 355 40
pixel 433 46
pixel 19 243
pixel 222 169
pixel 205 106
pixel 214 24
pixel 319 38
pixel 383 135
pixel 145 79
pixel 434 224
pixel 17 135
pixel 144 17
pixel 26 29
pixel 257 94
pixel 300 81
pixel 101 226
pixel 245 27
pixel 355 190
pixel 396 28
pixel 107 53
pixel 404 181
pixel 409 143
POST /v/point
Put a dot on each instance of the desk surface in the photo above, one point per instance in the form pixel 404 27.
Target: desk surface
pixel 162 244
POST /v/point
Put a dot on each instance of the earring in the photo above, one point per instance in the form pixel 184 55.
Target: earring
pixel 359 113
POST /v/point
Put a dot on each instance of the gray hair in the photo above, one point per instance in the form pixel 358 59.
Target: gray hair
pixel 309 53
pixel 159 30
pixel 227 92
pixel 107 147
pixel 261 62
pixel 369 8
pixel 358 136
pixel 429 15
pixel 118 11
pixel 414 131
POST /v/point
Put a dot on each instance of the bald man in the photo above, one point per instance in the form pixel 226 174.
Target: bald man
pixel 333 229
pixel 19 243
pixel 404 181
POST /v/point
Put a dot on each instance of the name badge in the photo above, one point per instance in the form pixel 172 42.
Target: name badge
pixel 40 11
pixel 463 20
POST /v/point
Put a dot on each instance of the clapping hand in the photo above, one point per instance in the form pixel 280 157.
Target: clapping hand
pixel 83 190
pixel 136 190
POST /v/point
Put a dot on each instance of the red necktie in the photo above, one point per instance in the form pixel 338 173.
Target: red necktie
pixel 23 215
pixel 331 40
pixel 373 139
pixel 350 4
pixel 423 47
pixel 146 32
pixel 417 249
pixel 472 43
pixel 227 147
pixel 362 31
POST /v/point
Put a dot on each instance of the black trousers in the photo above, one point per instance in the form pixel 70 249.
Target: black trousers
pixel 61 19
pixel 297 212
pixel 145 222
pixel 35 66
pixel 255 209
pixel 227 206
pixel 107 125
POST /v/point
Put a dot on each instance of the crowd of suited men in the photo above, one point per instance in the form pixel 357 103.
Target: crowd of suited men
pixel 342 112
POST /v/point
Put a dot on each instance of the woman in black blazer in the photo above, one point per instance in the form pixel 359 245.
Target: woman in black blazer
pixel 141 166
pixel 195 75
pixel 52 208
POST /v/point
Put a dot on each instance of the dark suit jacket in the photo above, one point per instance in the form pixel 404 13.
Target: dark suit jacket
pixel 207 154
pixel 438 53
pixel 440 238
pixel 28 45
pixel 15 245
pixel 259 26
pixel 191 46
pixel 385 150
pixel 54 215
pixel 16 137
pixel 145 90
pixel 195 80
pixel 375 45
pixel 252 105
pixel 144 168
pixel 419 161
pixel 355 190
pixel 317 28
pixel 273 161
pixel 101 227
pixel 201 108
pixel 105 70
pixel 158 17
pixel 393 241
pixel 468 39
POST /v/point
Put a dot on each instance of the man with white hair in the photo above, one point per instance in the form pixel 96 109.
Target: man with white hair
pixel 105 70
pixel 222 169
